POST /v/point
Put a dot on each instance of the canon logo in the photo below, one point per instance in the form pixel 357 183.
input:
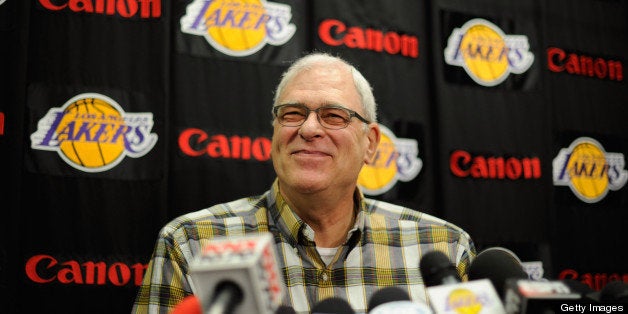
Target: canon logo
pixel 124 8
pixel 577 64
pixel 595 281
pixel 47 269
pixel 196 142
pixel 463 164
pixel 336 33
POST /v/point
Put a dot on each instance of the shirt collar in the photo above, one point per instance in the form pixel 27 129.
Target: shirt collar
pixel 292 226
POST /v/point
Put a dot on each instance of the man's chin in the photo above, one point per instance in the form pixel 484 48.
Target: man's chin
pixel 307 184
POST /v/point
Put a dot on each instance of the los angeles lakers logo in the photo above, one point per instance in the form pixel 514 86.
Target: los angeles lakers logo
pixel 486 53
pixel 464 301
pixel 239 27
pixel 588 170
pixel 395 159
pixel 92 133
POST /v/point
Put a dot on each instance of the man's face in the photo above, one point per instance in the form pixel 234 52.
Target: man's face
pixel 310 158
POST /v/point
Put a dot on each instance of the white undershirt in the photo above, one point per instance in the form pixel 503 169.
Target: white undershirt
pixel 327 253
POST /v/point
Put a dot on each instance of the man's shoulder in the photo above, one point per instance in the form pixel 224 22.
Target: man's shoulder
pixel 406 215
pixel 236 212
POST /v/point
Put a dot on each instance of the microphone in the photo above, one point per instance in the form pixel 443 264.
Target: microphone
pixel 395 300
pixel 450 295
pixel 334 305
pixel 436 269
pixel 285 309
pixel 497 264
pixel 529 296
pixel 237 275
pixel 614 292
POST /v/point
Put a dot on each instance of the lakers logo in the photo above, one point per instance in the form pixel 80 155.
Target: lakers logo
pixel 464 301
pixel 588 170
pixel 486 53
pixel 92 133
pixel 395 159
pixel 239 27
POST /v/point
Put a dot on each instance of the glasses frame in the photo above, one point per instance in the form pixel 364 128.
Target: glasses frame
pixel 318 117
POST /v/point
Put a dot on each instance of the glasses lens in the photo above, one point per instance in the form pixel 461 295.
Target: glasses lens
pixel 291 115
pixel 334 117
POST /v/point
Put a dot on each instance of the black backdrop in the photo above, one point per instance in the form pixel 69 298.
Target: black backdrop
pixel 464 143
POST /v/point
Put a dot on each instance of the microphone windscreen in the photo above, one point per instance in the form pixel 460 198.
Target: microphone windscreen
pixel 333 305
pixel 614 292
pixel 189 305
pixel 386 295
pixel 435 267
pixel 497 264
pixel 285 309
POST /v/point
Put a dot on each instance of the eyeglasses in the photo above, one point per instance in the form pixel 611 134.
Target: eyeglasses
pixel 330 117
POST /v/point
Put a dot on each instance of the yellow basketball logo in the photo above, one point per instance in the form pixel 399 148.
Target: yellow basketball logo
pixel 589 170
pixel 486 53
pixel 483 53
pixel 92 133
pixel 83 150
pixel 239 27
pixel 464 301
pixel 395 159
pixel 234 32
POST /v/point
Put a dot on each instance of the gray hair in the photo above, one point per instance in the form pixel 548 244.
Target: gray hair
pixel 362 86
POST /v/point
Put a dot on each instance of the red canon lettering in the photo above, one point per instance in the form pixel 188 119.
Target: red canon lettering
pixel 463 164
pixel 122 8
pixel 595 281
pixel 335 33
pixel 560 61
pixel 88 273
pixel 196 142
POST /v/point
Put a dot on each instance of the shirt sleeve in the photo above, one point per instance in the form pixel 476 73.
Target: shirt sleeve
pixel 466 254
pixel 165 283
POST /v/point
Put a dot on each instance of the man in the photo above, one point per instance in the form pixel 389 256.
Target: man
pixel 331 241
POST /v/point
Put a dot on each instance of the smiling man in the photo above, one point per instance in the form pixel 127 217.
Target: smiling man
pixel 331 240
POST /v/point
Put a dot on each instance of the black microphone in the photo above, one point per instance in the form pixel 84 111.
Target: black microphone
pixel 436 269
pixel 285 309
pixel 395 300
pixel 446 292
pixel 614 292
pixel 497 264
pixel 227 295
pixel 388 294
pixel 333 305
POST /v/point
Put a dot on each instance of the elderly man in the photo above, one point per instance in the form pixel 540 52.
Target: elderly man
pixel 331 240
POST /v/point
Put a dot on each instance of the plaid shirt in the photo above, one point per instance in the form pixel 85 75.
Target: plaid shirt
pixel 383 249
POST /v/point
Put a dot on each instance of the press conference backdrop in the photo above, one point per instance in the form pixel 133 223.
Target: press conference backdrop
pixel 507 118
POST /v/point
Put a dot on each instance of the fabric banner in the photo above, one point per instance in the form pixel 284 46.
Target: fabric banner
pixel 504 118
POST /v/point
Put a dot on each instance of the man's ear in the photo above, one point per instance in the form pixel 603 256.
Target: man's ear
pixel 373 137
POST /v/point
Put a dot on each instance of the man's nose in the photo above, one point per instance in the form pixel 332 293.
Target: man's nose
pixel 311 126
